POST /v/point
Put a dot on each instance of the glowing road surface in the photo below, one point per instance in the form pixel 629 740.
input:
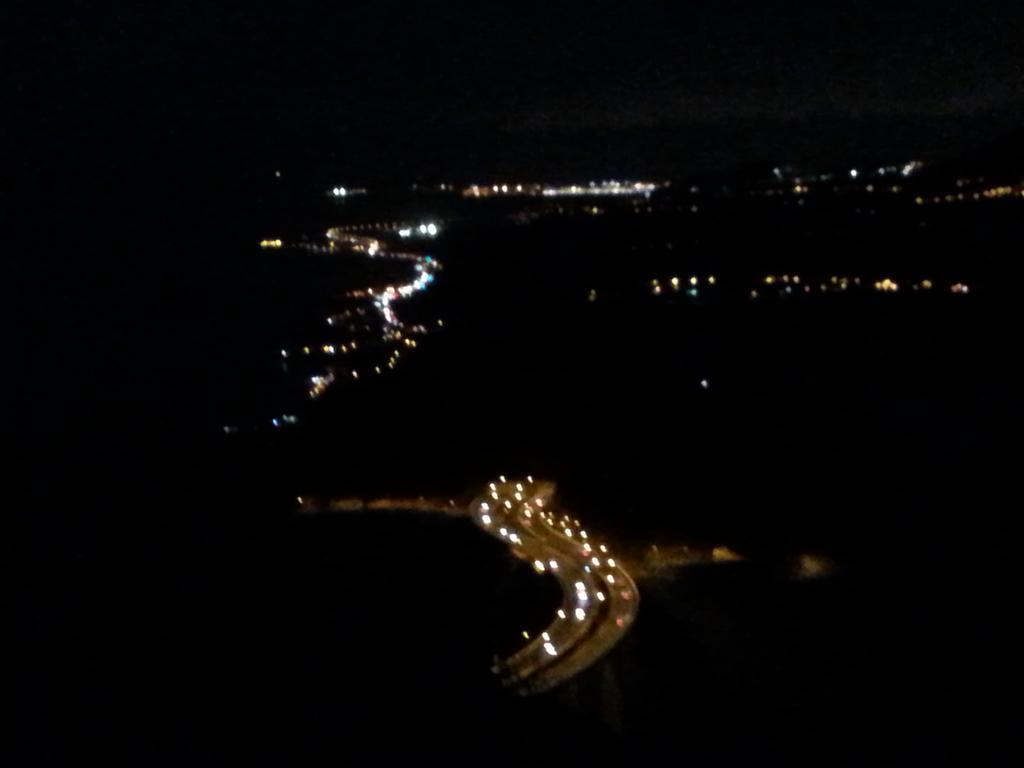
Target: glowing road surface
pixel 599 598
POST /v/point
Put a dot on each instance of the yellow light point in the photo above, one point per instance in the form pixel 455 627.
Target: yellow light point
pixel 926 284
pixel 561 613
pixel 693 280
pixel 675 282
pixel 603 548
pixel 526 635
pixel 538 566
pixel 769 279
pixel 611 562
pixel 711 279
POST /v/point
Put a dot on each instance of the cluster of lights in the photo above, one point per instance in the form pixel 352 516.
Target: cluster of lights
pixel 393 333
pixel 346 191
pixel 601 189
pixel 599 596
pixel 426 229
pixel 274 243
pixel 793 284
pixel 691 284
pixel 992 193
pixel 597 188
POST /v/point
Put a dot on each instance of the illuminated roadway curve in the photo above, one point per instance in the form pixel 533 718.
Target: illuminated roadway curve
pixel 599 598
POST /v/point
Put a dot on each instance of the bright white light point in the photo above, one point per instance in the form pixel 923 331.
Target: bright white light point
pixel 553 565
pixel 568 532
pixel 561 613
pixel 611 562
pixel 504 187
pixel 580 614
pixel 587 548
pixel 550 649
pixel 519 486
pixel 518 496
pixel 603 548
pixel 586 569
pixel 529 479
pixel 853 173
pixel 704 384
pixel 583 534
pixel 545 635
pixel 538 566
pixel 508 504
pixel 580 587
pixel 431 229
pixel 485 506
pixel 492 486
pixel 600 596
pixel 284 353
pixel 501 478
pixel 611 579
pixel 494 495
pixel 486 519
pixel 539 501
pixel 503 531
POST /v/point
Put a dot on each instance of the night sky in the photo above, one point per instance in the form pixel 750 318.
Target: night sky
pixel 391 90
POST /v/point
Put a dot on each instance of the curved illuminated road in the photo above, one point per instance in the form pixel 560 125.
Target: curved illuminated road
pixel 599 598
